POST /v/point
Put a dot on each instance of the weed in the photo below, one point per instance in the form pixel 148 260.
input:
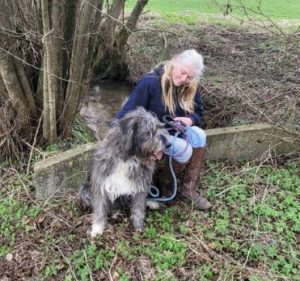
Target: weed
pixel 80 132
pixel 166 252
pixel 254 224
pixel 50 270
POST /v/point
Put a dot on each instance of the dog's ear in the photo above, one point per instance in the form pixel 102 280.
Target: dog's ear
pixel 129 129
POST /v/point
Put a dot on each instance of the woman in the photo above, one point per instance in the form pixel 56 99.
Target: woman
pixel 171 89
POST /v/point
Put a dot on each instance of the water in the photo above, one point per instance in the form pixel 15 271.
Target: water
pixel 101 106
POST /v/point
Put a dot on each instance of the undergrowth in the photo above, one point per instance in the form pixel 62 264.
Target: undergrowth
pixel 252 233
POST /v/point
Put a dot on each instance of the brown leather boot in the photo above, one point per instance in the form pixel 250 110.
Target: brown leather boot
pixel 164 177
pixel 192 178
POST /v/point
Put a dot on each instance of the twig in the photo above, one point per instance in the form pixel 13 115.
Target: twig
pixel 33 144
pixel 63 220
pixel 111 266
pixel 25 188
pixel 90 271
pixel 229 188
pixel 67 261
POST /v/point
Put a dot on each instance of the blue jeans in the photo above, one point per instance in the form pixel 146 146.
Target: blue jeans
pixel 181 149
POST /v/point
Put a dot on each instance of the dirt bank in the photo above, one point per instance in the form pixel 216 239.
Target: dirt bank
pixel 251 75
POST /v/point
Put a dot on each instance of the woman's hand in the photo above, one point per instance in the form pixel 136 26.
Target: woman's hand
pixel 186 120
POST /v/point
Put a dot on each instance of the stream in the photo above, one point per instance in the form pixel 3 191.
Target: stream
pixel 102 104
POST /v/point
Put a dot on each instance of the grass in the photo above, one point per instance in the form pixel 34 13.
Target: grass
pixel 81 134
pixel 251 234
pixel 276 9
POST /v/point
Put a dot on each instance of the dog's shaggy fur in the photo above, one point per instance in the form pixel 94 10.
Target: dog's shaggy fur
pixel 123 165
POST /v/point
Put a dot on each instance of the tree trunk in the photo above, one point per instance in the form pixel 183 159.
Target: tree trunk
pixel 52 93
pixel 109 25
pixel 8 66
pixel 56 54
pixel 111 52
pixel 26 88
pixel 10 79
pixel 130 25
pixel 46 114
pixel 80 58
pixel 70 16
pixel 49 115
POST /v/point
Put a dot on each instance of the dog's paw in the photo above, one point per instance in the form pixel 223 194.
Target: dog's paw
pixel 97 229
pixel 154 205
pixel 138 230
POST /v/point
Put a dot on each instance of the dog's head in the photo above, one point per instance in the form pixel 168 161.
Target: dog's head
pixel 143 135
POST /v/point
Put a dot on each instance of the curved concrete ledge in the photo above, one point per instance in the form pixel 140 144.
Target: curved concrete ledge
pixel 64 170
pixel 248 142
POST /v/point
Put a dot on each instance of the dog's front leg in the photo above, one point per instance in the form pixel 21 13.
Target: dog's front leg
pixel 138 206
pixel 100 209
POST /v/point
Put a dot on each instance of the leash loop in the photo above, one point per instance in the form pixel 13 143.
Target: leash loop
pixel 180 128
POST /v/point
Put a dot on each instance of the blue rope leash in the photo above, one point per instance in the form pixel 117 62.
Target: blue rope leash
pixel 191 138
pixel 180 128
pixel 154 191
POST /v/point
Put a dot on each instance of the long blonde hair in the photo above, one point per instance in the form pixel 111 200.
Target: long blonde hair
pixel 187 93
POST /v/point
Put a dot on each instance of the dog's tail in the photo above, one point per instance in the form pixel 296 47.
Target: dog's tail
pixel 85 195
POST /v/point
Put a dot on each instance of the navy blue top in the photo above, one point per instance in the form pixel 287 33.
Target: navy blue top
pixel 148 94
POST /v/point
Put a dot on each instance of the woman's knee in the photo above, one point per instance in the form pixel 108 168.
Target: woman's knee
pixel 184 155
pixel 180 150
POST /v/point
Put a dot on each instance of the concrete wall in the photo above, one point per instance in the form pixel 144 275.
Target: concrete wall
pixel 248 142
pixel 64 170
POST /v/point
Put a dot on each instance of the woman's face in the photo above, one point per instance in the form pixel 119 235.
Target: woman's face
pixel 182 75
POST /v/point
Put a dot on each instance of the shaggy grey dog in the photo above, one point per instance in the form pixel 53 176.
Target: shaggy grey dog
pixel 123 165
